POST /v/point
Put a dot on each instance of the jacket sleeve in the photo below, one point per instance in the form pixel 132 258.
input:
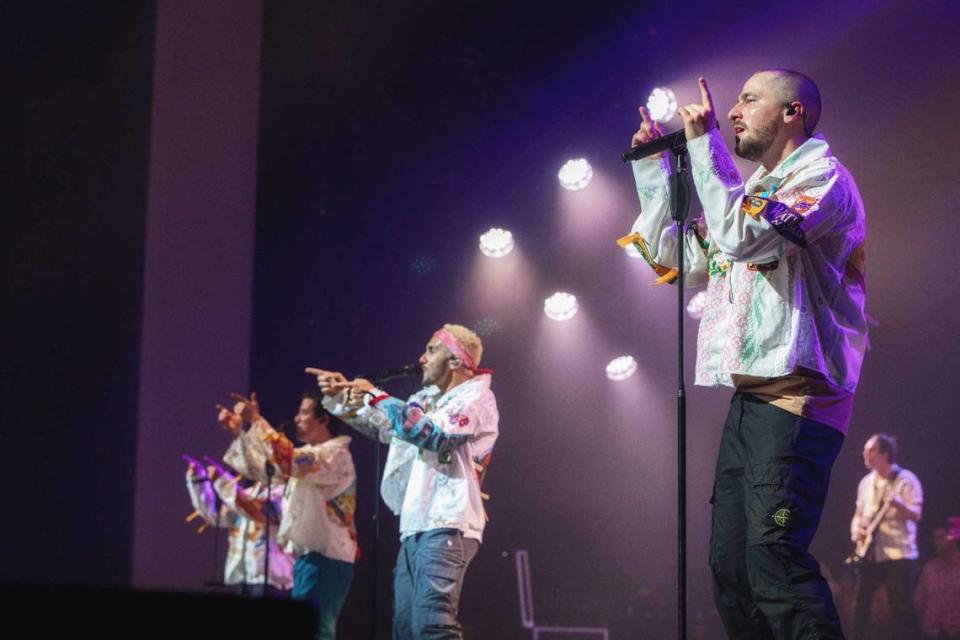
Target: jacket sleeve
pixel 204 502
pixel 814 201
pixel 246 503
pixel 358 418
pixel 329 469
pixel 441 430
pixel 654 233
pixel 249 453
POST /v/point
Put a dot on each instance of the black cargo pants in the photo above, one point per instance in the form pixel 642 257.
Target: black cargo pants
pixel 771 481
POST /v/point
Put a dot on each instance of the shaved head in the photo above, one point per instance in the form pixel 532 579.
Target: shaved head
pixel 793 86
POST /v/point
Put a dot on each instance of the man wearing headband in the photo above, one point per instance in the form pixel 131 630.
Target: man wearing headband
pixel 441 440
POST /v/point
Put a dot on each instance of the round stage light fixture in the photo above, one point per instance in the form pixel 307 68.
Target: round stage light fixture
pixel 662 104
pixel 422 265
pixel 496 243
pixel 561 306
pixel 575 175
pixel 621 368
pixel 486 327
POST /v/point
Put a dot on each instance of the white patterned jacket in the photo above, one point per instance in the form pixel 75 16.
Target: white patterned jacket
pixel 782 256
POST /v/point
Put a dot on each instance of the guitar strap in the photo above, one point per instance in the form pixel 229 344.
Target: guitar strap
pixel 893 480
pixel 878 496
pixel 878 503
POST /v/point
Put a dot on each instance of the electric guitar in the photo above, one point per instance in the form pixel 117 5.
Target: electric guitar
pixel 863 546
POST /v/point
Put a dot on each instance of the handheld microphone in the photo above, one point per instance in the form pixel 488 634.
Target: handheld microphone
pixel 675 142
pixel 405 371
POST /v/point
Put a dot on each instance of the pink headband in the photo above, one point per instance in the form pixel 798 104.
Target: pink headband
pixel 451 343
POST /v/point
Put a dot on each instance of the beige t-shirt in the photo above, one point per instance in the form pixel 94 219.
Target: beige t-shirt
pixel 805 393
pixel 895 537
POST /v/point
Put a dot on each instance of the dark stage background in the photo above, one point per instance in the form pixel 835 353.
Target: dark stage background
pixel 74 123
pixel 390 136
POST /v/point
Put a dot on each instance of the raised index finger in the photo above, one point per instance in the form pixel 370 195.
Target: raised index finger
pixel 645 115
pixel 705 94
pixel 317 372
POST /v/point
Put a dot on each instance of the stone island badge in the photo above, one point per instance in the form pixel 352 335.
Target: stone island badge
pixel 782 517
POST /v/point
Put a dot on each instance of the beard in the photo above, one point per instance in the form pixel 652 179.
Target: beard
pixel 436 375
pixel 430 377
pixel 755 148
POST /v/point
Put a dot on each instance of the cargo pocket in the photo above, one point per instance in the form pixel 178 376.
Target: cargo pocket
pixel 443 568
pixel 773 510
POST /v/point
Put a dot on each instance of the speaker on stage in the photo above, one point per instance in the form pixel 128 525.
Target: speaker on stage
pixel 46 611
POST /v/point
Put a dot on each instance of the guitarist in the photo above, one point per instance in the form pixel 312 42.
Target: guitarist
pixel 884 526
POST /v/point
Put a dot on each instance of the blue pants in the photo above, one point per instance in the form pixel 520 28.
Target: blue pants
pixel 427 582
pixel 324 583
pixel 772 475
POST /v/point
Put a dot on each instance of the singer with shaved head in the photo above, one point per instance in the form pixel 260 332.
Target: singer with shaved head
pixel 441 440
pixel 784 325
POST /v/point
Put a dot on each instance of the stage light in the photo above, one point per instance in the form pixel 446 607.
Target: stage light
pixel 621 368
pixel 575 174
pixel 496 243
pixel 422 265
pixel 486 327
pixel 696 305
pixel 662 104
pixel 560 306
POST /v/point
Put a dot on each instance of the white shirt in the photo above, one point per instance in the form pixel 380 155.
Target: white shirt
pixel 896 537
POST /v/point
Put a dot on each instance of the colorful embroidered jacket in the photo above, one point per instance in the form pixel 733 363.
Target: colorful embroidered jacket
pixel 783 259
pixel 321 495
pixel 440 446
pixel 242 511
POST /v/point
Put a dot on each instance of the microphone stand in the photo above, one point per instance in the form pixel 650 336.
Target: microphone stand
pixel 676 142
pixel 679 211
pixel 267 511
pixel 216 582
pixel 375 559
pixel 378 379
